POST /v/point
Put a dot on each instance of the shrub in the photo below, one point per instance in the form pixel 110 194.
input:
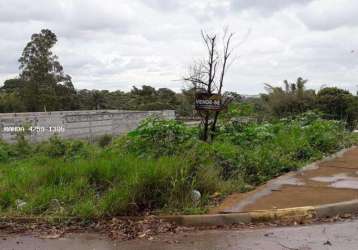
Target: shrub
pixel 258 152
pixel 325 135
pixel 57 147
pixel 4 152
pixel 21 149
pixel 6 200
pixel 105 140
pixel 77 149
pixel 158 137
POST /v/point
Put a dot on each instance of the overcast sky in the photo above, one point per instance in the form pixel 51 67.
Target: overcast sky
pixel 115 44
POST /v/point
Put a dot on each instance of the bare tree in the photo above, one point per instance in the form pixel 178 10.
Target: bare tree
pixel 208 76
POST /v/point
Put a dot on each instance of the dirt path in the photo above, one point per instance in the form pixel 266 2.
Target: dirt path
pixel 329 181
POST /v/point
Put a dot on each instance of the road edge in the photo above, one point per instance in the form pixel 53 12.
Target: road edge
pixel 285 214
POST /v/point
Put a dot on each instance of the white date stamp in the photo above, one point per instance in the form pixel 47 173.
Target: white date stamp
pixel 33 129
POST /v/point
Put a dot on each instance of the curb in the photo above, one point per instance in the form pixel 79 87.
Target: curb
pixel 286 214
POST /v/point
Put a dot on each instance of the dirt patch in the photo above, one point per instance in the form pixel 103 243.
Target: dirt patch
pixel 115 228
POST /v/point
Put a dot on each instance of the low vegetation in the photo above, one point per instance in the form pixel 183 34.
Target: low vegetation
pixel 157 166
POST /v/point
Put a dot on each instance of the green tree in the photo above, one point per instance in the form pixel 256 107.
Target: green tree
pixel 42 73
pixel 186 101
pixel 148 98
pixel 118 100
pixel 291 100
pixel 98 99
pixel 338 104
pixel 167 98
pixel 13 85
pixel 10 102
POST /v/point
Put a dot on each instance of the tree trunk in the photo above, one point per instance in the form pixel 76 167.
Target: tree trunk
pixel 213 126
pixel 206 127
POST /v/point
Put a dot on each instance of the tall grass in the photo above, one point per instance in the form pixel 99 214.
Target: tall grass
pixel 106 185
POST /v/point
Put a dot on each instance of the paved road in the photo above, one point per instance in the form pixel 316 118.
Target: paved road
pixel 340 236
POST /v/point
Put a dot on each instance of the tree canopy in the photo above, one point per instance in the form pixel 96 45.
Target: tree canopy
pixel 42 84
pixel 293 99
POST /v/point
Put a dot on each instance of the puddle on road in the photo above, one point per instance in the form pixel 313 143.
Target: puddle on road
pixel 333 178
pixel 353 184
pixel 339 181
pixel 288 181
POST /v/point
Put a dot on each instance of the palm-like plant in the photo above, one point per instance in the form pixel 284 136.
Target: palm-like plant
pixel 290 100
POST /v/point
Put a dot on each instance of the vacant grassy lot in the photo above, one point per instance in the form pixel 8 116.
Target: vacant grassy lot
pixel 157 166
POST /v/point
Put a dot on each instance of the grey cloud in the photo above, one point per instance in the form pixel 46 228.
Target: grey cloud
pixel 114 44
pixel 328 14
pixel 9 54
pixel 167 5
pixel 94 15
pixel 265 6
pixel 22 10
pixel 64 15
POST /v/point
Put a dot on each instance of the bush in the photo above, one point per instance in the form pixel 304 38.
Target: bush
pixel 105 140
pixel 259 152
pixel 158 137
pixel 325 135
pixel 21 149
pixel 57 147
pixel 77 149
pixel 4 152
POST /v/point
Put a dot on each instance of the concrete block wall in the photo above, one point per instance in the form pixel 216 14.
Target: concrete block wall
pixel 74 124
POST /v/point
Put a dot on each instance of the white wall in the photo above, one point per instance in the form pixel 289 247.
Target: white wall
pixel 74 124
